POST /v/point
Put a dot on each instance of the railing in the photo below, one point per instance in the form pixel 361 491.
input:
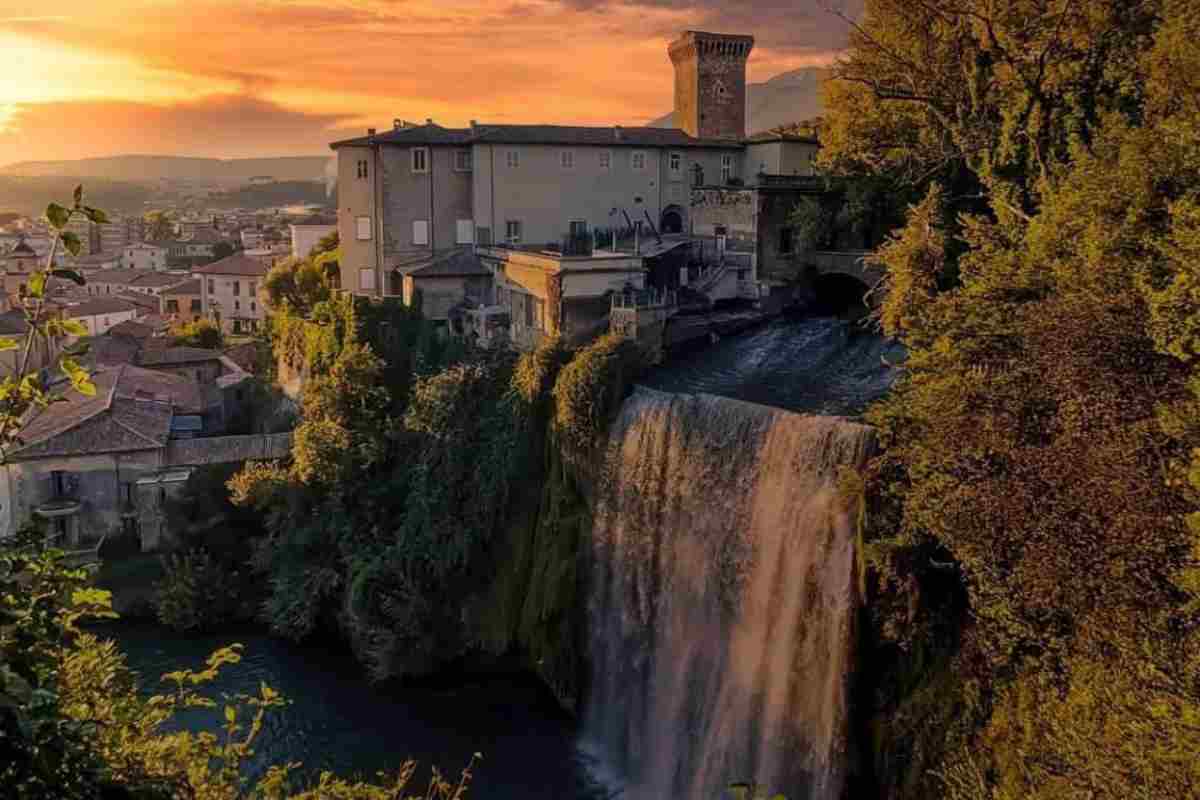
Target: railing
pixel 645 298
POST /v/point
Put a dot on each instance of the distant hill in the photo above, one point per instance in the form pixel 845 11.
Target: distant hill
pixel 30 196
pixel 789 97
pixel 135 168
pixel 284 193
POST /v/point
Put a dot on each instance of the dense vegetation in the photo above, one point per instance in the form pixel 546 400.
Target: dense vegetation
pixel 1033 524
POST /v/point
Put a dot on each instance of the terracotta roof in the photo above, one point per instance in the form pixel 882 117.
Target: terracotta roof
pixel 122 276
pixel 613 136
pixel 166 356
pixel 99 305
pixel 429 133
pixel 449 264
pixel 141 301
pixel 106 423
pixel 236 264
pixel 131 329
pixel 617 136
pixel 158 279
pixel 189 286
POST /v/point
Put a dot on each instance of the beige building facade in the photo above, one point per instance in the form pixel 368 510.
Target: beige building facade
pixel 229 293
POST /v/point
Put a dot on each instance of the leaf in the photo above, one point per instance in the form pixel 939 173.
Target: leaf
pixel 85 387
pixel 71 242
pixel 78 195
pixel 69 274
pixel 80 348
pixel 8 344
pixel 95 215
pixel 230 714
pixel 57 216
pixel 37 284
pixel 74 327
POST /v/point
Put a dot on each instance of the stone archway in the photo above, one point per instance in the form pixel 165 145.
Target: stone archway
pixel 672 220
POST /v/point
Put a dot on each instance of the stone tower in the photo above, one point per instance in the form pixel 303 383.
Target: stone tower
pixel 710 84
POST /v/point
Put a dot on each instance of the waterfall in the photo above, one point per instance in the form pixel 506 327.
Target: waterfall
pixel 722 599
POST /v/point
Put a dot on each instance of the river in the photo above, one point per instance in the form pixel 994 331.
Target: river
pixel 818 365
pixel 336 721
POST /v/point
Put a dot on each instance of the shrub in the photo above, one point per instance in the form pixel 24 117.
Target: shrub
pixel 201 333
pixel 591 387
pixel 196 593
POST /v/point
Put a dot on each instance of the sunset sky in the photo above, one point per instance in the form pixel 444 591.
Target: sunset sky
pixel 234 78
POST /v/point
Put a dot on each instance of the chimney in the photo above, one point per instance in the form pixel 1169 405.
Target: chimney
pixel 473 124
pixel 428 121
pixel 617 132
pixel 370 131
pixel 397 123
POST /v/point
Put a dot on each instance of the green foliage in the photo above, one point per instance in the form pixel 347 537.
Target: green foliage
pixel 201 333
pixel 590 389
pixel 222 250
pixel 74 724
pixel 298 284
pixel 160 226
pixel 197 592
pixel 1037 486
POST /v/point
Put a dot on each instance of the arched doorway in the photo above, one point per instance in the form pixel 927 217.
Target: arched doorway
pixel 672 220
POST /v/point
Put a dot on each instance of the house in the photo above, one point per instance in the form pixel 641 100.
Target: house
pixel 419 190
pixel 229 293
pixel 438 283
pixel 43 352
pixel 269 255
pixel 155 283
pixel 18 264
pixel 113 281
pixel 182 302
pixel 144 255
pixel 201 243
pixel 100 260
pixel 308 231
pixel 142 303
pixel 101 313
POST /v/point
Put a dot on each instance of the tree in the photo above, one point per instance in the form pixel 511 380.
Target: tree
pixel 1039 443
pixel 299 284
pixel 160 226
pixel 200 333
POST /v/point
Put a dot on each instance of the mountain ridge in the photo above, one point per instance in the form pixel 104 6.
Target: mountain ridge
pixel 140 168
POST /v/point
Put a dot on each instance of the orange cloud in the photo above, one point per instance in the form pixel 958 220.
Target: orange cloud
pixel 322 64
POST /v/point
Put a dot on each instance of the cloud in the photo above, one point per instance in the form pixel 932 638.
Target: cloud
pixel 312 61
pixel 216 126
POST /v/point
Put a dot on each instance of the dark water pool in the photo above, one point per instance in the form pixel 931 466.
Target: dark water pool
pixel 817 365
pixel 338 722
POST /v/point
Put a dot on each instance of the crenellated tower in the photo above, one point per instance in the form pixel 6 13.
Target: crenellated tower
pixel 710 84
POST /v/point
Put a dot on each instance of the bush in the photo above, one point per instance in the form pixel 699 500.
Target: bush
pixel 591 388
pixel 201 333
pixel 197 593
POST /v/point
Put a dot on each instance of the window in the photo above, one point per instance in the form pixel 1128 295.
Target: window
pixel 237 305
pixel 512 231
pixel 785 241
pixel 462 160
pixel 252 306
pixel 606 160
pixel 676 164
pixel 420 231
pixel 237 326
pixel 638 160
pixel 237 288
pixel 578 228
pixel 363 229
pixel 212 286
pixel 726 167
pixel 566 159
pixel 361 169
pixel 465 232
pixel 172 306
pixel 420 159
pixel 512 159
pixel 250 289
pixel 366 279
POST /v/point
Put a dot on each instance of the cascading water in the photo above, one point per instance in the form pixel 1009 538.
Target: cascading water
pixel 722 598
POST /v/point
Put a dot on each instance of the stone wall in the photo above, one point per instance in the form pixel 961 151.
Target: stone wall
pixel 227 449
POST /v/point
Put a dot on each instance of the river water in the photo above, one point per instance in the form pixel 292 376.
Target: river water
pixel 337 721
pixel 819 365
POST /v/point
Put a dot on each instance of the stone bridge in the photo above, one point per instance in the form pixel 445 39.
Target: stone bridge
pixel 851 263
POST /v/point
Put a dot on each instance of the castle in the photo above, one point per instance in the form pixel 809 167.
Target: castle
pixel 536 220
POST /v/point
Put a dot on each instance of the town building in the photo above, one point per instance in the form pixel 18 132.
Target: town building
pixel 308 231
pixel 602 209
pixel 114 281
pixel 182 302
pixel 87 232
pixel 101 313
pixel 18 264
pixel 143 255
pixel 229 293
